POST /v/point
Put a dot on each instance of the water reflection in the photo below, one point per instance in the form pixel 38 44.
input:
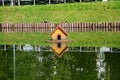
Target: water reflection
pixel 28 47
pixel 100 64
pixel 78 63
pixel 59 48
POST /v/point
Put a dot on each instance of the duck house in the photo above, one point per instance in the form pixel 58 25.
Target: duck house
pixel 58 34
pixel 59 38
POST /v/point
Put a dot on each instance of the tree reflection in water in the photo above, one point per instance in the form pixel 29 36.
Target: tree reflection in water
pixel 44 65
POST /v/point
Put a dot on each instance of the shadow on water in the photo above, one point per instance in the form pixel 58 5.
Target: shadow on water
pixel 26 62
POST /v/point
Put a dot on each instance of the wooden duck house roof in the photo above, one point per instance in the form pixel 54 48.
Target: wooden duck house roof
pixel 58 27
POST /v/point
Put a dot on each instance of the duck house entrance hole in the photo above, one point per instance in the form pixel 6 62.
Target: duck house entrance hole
pixel 59 37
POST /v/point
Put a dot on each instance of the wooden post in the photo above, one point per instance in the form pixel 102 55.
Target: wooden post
pixel 3 27
pixel 77 27
pixel 112 26
pixel 103 26
pixel 7 27
pixel 28 27
pixel 37 27
pixel 117 25
pixel 34 25
pixel 72 27
pixel 0 27
pixel 43 27
pixel 82 26
pixel 107 27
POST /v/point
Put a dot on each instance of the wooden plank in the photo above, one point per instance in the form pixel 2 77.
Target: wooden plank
pixel 88 29
pixel 43 27
pixel 85 27
pixel 0 27
pixel 81 26
pixel 113 28
pixel 97 26
pixel 88 25
pixel 46 24
pixel 118 26
pixel 74 27
pixel 115 24
pixel 70 27
pixel 100 26
pixel 93 26
pixel 37 27
pixel 106 27
pixel 77 25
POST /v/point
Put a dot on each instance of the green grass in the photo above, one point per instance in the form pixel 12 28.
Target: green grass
pixel 70 12
pixel 79 39
pixel 95 39
pixel 24 38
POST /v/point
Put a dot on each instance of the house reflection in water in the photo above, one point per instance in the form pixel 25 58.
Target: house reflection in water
pixel 59 48
pixel 59 38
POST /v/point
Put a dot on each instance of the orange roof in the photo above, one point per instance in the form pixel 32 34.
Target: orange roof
pixel 58 27
pixel 61 53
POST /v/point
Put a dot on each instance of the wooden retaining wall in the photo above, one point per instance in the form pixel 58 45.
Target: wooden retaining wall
pixel 68 27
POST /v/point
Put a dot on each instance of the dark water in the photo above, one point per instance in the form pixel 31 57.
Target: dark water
pixel 77 63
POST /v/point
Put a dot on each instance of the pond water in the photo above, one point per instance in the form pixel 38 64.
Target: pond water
pixel 26 62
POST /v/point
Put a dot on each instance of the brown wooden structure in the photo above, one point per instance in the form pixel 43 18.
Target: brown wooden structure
pixel 58 35
pixel 68 27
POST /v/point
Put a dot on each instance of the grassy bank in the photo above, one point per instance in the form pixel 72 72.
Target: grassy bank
pixel 24 38
pixel 71 12
pixel 79 39
pixel 95 39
